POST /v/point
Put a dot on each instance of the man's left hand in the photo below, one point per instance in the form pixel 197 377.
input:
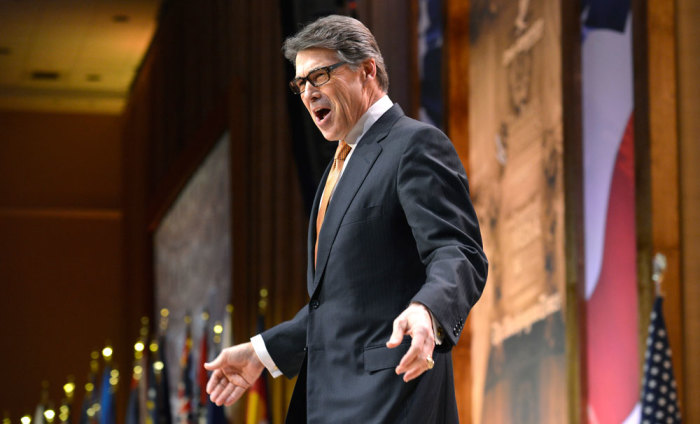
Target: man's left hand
pixel 414 321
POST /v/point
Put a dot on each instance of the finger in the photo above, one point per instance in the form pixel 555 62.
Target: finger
pixel 213 381
pixel 416 368
pixel 416 350
pixel 233 398
pixel 216 363
pixel 216 392
pixel 218 388
pixel 400 327
pixel 415 371
pixel 420 365
pixel 224 394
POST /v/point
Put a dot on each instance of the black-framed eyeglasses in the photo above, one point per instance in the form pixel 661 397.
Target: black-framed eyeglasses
pixel 317 77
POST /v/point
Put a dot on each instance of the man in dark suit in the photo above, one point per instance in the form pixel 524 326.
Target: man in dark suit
pixel 395 255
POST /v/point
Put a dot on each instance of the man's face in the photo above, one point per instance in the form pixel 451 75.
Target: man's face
pixel 337 105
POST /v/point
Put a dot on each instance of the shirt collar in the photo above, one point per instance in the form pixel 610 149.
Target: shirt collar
pixel 368 119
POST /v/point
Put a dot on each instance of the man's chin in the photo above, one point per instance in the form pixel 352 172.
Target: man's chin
pixel 329 136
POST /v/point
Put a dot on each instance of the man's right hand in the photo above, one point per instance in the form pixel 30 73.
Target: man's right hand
pixel 234 371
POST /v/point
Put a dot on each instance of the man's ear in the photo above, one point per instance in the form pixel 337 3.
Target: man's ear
pixel 369 69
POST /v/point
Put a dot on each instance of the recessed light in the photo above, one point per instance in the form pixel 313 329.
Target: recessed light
pixel 120 19
pixel 45 75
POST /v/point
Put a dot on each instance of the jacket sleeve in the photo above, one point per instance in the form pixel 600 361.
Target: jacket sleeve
pixel 286 343
pixel 434 194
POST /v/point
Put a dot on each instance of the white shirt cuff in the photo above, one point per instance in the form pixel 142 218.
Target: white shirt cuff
pixel 437 332
pixel 264 355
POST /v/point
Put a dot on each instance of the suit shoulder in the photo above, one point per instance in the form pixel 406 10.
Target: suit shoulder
pixel 410 134
pixel 409 124
pixel 417 142
pixel 408 131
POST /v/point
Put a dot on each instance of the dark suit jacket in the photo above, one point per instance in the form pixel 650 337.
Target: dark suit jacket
pixel 399 228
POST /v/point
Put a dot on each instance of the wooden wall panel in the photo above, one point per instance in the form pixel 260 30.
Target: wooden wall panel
pixel 657 169
pixel 688 42
pixel 60 160
pixel 456 50
pixel 61 291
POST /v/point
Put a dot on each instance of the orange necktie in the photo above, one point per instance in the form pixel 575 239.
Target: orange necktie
pixel 340 154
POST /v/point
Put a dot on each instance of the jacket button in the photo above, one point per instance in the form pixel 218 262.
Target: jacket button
pixel 314 304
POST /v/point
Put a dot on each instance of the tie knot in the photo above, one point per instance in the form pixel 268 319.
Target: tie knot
pixel 342 151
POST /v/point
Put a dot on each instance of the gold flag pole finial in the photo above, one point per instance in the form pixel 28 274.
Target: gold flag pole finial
pixel 262 303
pixel 107 353
pixel 64 409
pixel 94 368
pixel 114 378
pixel 164 314
pixel 139 349
pixel 49 415
pixel 218 330
pixel 69 388
pixel 659 271
pixel 143 333
pixel 94 364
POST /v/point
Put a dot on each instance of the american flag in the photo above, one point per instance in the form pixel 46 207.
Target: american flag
pixel 659 391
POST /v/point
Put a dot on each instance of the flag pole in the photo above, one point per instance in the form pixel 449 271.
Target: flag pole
pixel 65 410
pixel 659 271
pixel 262 303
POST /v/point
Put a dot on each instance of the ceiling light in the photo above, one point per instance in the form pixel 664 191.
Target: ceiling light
pixel 120 19
pixel 45 75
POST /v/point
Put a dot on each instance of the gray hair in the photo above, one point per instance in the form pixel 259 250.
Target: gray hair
pixel 352 41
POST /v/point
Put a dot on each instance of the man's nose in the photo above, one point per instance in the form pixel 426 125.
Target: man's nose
pixel 311 92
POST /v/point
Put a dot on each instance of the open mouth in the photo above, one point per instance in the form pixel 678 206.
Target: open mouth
pixel 321 114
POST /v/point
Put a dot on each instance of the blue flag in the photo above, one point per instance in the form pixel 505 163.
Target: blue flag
pixel 215 414
pixel 107 407
pixel 659 391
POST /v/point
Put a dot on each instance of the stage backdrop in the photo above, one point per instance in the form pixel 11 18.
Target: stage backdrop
pixel 192 255
pixel 515 104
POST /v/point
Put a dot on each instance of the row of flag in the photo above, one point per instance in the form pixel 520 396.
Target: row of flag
pixel 149 390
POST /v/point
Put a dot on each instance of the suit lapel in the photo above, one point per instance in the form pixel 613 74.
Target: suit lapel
pixel 362 160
